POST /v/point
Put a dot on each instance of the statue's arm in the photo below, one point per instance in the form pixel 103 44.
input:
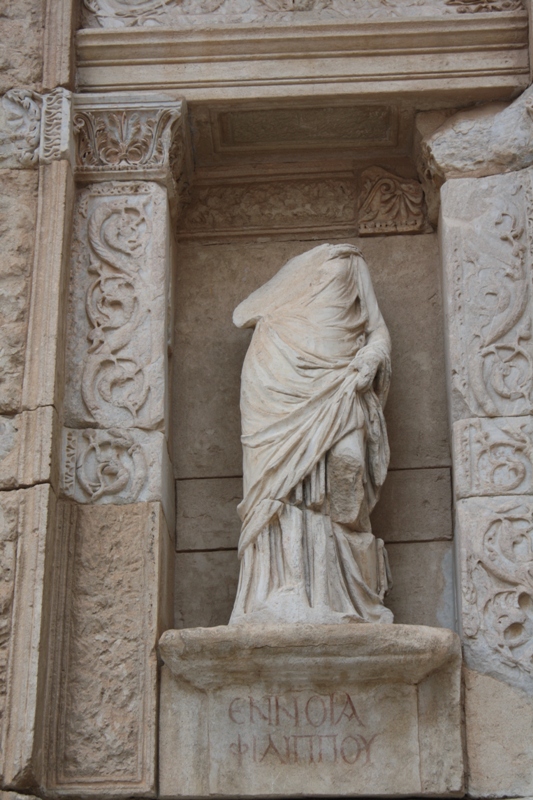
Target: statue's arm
pixel 376 351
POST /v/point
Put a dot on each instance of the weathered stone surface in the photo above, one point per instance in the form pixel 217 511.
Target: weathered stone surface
pixel 493 456
pixel 422 583
pixel 102 715
pixel 212 280
pixel 117 466
pixel 117 319
pixel 283 711
pixel 414 505
pixel 29 448
pixel 496 558
pixel 21 47
pixel 488 140
pixel 205 588
pixel 486 245
pixel 44 375
pixel 27 529
pixel 207 516
pixel 499 728
pixel 18 209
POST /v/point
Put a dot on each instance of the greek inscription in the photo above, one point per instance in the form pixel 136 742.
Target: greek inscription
pixel 299 729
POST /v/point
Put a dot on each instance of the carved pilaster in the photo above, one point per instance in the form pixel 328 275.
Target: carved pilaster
pixel 117 507
pixel 487 249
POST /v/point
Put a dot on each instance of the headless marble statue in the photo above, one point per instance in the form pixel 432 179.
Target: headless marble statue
pixel 315 449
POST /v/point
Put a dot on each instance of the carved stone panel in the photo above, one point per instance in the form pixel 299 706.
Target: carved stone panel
pixel 34 128
pixel 117 318
pixel 27 448
pixel 496 563
pixel 486 240
pixel 271 206
pixel 116 466
pixel 493 457
pixel 109 564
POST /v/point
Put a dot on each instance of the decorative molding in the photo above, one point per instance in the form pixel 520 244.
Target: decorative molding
pixel 390 204
pixel 247 208
pixel 497 587
pixel 387 205
pixel 34 128
pixel 493 457
pixel 137 13
pixel 479 6
pixel 56 133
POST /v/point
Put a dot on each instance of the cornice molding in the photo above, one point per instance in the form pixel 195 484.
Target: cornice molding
pixel 454 55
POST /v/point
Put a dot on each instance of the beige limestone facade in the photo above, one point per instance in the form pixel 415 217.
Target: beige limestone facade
pixel 160 161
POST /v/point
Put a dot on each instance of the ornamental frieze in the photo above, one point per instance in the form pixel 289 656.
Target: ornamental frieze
pixel 129 13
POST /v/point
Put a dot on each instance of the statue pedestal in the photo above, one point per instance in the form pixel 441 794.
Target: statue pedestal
pixel 304 710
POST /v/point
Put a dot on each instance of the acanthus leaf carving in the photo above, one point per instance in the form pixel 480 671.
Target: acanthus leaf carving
pixel 390 204
pixel 123 139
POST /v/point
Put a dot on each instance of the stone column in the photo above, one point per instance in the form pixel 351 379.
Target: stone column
pixel 487 250
pixel 113 556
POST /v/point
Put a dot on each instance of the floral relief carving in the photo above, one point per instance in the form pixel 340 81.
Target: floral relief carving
pixel 390 204
pixel 493 365
pixel 20 133
pixel 494 457
pixel 56 130
pixel 116 342
pixel 118 234
pixel 128 13
pixel 280 205
pixel 497 587
pixel 105 464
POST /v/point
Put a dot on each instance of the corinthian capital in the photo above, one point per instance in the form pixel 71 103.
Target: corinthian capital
pixel 125 136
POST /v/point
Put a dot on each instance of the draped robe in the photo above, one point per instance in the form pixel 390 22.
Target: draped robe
pixel 315 450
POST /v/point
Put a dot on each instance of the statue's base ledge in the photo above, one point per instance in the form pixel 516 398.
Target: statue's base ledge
pixel 311 710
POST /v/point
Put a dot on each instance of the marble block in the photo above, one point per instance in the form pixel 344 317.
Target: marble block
pixel 321 710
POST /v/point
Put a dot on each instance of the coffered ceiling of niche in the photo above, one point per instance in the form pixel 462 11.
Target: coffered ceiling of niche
pixel 241 136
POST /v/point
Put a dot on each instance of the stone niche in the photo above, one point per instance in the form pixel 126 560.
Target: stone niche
pixel 316 710
pixel 271 182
